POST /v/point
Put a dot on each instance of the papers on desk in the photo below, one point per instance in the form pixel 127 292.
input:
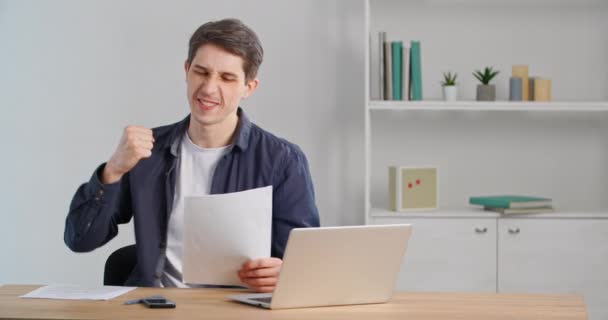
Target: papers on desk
pixel 222 231
pixel 70 292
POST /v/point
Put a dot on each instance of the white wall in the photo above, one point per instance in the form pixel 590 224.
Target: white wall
pixel 74 73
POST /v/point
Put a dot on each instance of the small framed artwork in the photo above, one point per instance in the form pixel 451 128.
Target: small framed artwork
pixel 412 188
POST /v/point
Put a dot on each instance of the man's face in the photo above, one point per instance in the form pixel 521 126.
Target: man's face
pixel 216 85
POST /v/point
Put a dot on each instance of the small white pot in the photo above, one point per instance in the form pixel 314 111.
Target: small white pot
pixel 450 93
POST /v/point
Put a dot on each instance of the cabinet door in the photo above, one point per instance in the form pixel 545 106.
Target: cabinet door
pixel 568 256
pixel 447 254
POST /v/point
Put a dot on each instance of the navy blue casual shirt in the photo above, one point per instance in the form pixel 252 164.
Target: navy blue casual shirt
pixel 256 159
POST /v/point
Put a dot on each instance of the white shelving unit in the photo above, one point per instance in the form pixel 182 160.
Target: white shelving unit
pixel 557 149
pixel 581 106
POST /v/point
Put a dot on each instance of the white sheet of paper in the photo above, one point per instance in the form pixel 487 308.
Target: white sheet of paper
pixel 71 292
pixel 222 231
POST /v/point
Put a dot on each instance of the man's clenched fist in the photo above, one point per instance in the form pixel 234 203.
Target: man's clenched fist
pixel 135 144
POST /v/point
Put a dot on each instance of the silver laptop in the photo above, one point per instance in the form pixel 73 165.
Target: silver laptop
pixel 336 266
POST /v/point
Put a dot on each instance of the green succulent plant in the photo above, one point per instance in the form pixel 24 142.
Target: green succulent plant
pixel 449 79
pixel 486 76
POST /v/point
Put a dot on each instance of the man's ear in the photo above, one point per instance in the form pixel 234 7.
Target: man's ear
pixel 186 66
pixel 251 86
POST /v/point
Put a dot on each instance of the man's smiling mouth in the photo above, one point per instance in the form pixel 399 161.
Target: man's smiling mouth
pixel 206 104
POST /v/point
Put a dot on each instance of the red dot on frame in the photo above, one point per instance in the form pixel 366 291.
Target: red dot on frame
pixel 418 181
pixel 409 185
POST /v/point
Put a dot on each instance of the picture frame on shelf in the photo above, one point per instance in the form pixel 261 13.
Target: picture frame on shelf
pixel 413 188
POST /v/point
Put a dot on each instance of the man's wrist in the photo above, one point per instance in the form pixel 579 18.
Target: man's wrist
pixel 109 175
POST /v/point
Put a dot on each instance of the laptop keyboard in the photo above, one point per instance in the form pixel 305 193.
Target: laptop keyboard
pixel 265 299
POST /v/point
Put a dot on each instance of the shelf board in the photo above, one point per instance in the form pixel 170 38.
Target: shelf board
pixel 572 106
pixel 482 214
pixel 433 213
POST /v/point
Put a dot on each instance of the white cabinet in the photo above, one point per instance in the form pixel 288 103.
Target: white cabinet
pixel 474 251
pixel 555 256
pixel 447 254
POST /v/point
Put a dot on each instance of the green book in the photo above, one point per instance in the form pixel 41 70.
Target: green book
pixel 396 53
pixel 415 72
pixel 510 201
pixel 520 210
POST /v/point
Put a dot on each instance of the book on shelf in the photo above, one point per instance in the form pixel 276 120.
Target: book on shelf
pixel 393 69
pixel 381 41
pixel 388 71
pixel 415 71
pixel 396 54
pixel 510 201
pixel 520 210
pixel 405 78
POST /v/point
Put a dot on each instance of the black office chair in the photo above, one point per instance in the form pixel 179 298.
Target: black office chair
pixel 119 266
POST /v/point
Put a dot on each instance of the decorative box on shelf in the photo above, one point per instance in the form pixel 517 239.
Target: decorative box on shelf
pixel 412 188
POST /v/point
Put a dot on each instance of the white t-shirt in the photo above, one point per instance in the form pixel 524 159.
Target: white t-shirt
pixel 194 176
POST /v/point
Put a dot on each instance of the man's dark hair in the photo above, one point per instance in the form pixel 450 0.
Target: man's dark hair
pixel 233 36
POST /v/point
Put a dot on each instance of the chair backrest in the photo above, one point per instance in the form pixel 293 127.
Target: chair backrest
pixel 119 266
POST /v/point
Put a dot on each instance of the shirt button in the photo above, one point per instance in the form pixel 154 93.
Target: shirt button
pixel 100 192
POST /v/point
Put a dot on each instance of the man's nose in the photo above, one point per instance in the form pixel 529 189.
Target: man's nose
pixel 209 86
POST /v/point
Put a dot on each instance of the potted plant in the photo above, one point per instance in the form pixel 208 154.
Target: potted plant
pixel 450 90
pixel 485 90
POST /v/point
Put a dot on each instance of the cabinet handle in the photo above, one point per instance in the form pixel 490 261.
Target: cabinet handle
pixel 481 230
pixel 513 231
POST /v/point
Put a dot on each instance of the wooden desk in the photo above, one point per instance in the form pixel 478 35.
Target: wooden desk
pixel 211 304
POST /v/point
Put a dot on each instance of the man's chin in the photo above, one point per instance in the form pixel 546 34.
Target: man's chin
pixel 211 117
pixel 204 120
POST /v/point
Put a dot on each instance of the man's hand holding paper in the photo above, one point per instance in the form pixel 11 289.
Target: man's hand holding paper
pixel 261 275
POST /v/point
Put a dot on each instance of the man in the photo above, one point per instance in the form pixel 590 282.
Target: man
pixel 216 149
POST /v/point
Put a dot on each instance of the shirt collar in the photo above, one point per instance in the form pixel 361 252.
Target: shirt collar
pixel 241 138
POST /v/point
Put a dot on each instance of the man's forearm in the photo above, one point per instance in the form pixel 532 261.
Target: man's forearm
pixel 90 222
